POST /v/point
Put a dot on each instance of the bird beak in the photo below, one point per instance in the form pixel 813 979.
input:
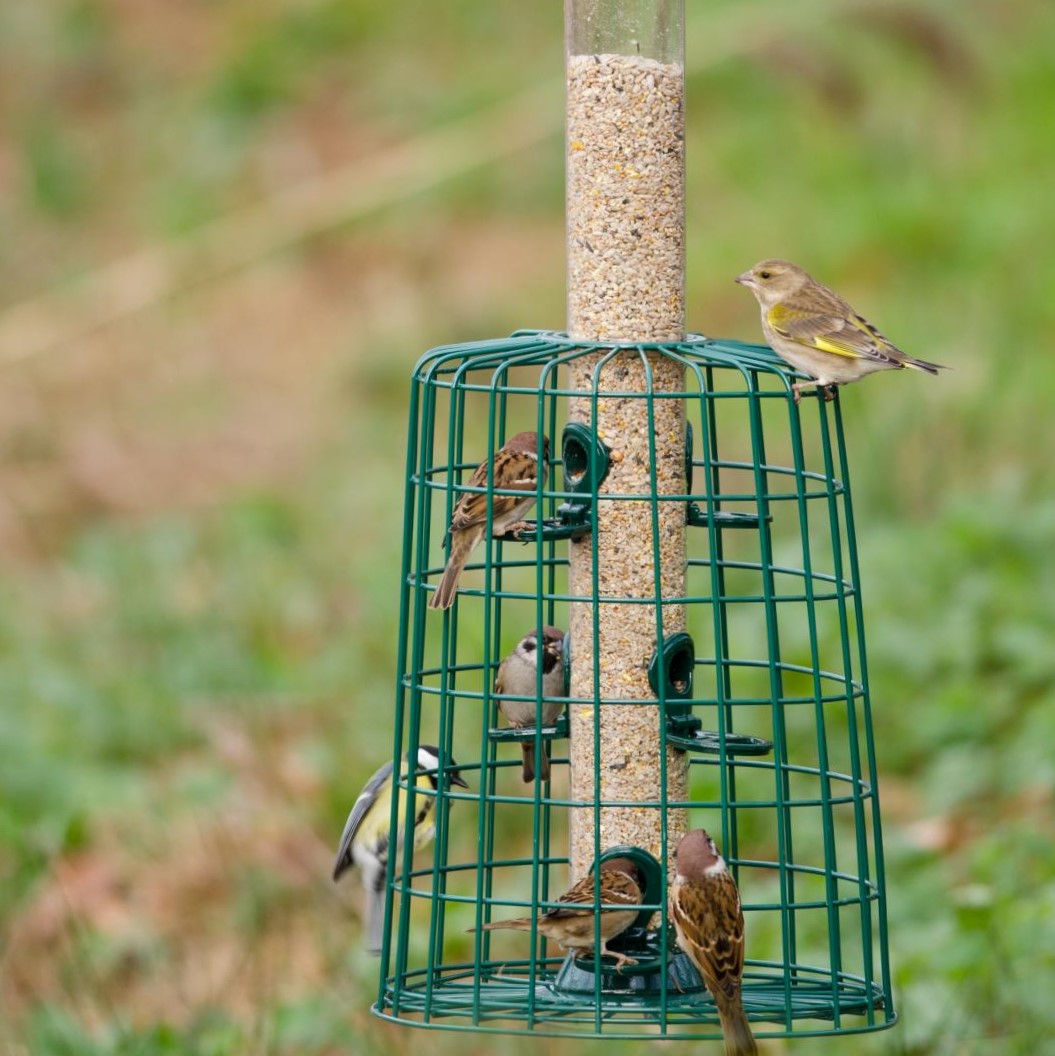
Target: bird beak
pixel 746 279
pixel 456 779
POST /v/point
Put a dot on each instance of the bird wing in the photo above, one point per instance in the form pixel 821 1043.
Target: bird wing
pixel 711 931
pixel 516 472
pixel 616 887
pixel 367 798
pixel 848 334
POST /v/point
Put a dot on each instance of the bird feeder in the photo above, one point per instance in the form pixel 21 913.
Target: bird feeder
pixel 695 537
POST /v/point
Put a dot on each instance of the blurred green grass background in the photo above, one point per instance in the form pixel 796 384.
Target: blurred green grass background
pixel 208 314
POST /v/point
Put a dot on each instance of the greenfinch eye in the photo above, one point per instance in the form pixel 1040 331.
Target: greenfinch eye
pixel 764 275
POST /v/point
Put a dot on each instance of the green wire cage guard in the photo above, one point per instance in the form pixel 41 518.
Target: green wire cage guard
pixel 757 680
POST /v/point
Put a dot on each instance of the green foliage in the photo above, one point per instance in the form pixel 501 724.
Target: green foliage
pixel 55 177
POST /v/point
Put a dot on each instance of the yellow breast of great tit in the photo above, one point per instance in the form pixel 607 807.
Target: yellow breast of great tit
pixel 424 818
pixel 374 829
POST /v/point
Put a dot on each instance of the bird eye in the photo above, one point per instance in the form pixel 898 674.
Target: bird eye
pixel 765 275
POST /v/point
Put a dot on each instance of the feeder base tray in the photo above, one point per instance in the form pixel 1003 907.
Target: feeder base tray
pixel 507 999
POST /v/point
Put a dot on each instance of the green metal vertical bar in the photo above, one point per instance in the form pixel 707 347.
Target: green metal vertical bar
pixel 485 842
pixel 537 939
pixel 851 720
pixel 448 664
pixel 448 656
pixel 551 554
pixel 445 731
pixel 720 616
pixel 551 503
pixel 595 587
pixel 445 739
pixel 538 945
pixel 709 458
pixel 406 599
pixel 831 889
pixel 417 663
pixel 493 604
pixel 661 681
pixel 440 850
pixel 780 748
pixel 877 834
pixel 704 381
pixel 488 753
pixel 496 418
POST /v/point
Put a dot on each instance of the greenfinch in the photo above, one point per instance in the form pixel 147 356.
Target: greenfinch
pixel 817 332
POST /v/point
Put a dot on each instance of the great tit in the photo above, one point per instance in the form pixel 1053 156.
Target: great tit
pixel 365 840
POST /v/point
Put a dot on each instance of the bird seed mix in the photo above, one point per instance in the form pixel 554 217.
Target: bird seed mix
pixel 626 239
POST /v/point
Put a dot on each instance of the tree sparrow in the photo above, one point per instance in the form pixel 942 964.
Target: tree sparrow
pixel 705 908
pixel 572 926
pixel 516 468
pixel 517 676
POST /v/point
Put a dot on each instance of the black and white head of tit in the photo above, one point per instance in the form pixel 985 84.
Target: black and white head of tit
pixel 365 840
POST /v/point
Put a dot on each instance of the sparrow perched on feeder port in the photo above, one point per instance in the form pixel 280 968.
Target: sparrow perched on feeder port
pixel 365 840
pixel 817 332
pixel 572 925
pixel 518 676
pixel 705 909
pixel 516 468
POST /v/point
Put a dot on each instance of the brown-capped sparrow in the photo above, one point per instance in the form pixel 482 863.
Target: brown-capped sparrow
pixel 516 468
pixel 517 676
pixel 705 908
pixel 572 925
pixel 816 331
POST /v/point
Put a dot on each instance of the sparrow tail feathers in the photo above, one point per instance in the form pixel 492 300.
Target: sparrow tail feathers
pixel 462 545
pixel 516 924
pixel 739 1041
pixel 529 763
